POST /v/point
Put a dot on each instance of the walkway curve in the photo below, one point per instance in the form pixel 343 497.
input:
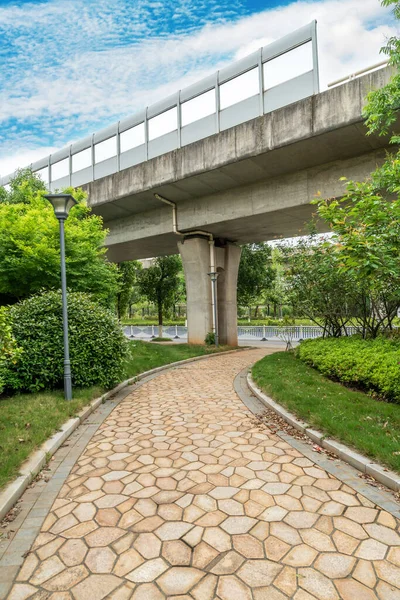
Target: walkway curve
pixel 181 494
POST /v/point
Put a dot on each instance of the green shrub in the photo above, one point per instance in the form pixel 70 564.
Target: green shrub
pixel 97 344
pixel 210 339
pixel 372 365
pixel 9 350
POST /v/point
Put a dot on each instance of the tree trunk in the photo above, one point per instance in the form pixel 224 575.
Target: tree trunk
pixel 160 317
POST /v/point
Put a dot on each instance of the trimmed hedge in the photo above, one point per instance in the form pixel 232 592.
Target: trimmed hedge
pixel 372 365
pixel 98 347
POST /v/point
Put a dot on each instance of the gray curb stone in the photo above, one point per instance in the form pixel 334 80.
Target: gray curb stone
pixel 360 462
pixel 34 464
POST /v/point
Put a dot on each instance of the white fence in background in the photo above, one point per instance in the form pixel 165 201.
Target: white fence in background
pixel 251 333
pixel 274 76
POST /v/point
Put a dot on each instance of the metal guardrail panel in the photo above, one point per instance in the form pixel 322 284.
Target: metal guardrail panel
pixel 251 332
pixel 265 100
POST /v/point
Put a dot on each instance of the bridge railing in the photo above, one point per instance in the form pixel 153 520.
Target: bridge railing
pixel 250 333
pixel 274 76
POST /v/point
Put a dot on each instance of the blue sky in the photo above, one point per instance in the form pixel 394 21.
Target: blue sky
pixel 70 67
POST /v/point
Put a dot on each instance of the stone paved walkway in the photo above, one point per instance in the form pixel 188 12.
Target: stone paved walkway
pixel 182 495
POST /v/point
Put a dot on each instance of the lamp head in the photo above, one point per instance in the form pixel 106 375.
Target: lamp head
pixel 61 203
pixel 213 275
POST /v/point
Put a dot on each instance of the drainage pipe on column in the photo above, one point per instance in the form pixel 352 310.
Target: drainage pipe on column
pixel 198 232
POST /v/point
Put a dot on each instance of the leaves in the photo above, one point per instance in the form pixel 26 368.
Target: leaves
pixel 30 248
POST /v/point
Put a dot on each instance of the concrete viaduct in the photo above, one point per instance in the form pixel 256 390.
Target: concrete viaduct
pixel 252 182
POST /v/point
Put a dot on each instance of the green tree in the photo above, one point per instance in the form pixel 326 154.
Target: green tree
pixel 316 287
pixel 256 274
pixel 366 220
pixel 128 273
pixel 159 284
pixel 23 187
pixel 30 251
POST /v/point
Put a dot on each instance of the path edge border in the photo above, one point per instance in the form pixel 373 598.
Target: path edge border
pixel 35 463
pixel 353 458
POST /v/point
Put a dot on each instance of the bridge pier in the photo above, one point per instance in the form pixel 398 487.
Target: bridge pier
pixel 197 259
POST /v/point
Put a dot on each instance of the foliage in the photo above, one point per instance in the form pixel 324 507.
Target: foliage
pixel 23 188
pixel 366 220
pixel 159 283
pixel 371 365
pixel 256 274
pixel 382 106
pixel 97 343
pixel 315 286
pixel 368 425
pixel 128 273
pixel 10 352
pixel 30 250
pixel 210 339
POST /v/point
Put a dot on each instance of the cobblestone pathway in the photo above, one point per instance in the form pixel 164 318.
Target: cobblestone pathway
pixel 180 495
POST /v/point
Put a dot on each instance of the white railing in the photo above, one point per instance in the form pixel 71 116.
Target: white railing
pixel 274 76
pixel 251 333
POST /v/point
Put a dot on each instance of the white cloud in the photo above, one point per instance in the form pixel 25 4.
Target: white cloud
pixel 83 88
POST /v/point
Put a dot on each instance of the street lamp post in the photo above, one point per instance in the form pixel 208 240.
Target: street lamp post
pixel 62 204
pixel 214 276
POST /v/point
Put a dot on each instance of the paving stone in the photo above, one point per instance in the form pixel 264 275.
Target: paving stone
pixel 100 560
pixel 230 587
pixel 228 564
pixel 350 589
pixel 364 573
pixel 317 584
pixel 179 580
pixel 300 556
pixel 335 566
pixel 73 552
pixel 248 546
pixel 181 494
pixel 67 579
pixel 96 586
pixel 259 572
pixel 148 571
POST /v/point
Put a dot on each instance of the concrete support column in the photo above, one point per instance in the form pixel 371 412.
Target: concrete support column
pixel 195 253
pixel 227 260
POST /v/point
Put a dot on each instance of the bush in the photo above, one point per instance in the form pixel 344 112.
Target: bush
pixel 9 350
pixel 97 344
pixel 210 339
pixel 371 365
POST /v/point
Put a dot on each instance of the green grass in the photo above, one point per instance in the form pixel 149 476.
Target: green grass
pixel 28 420
pixel 370 426
pixel 161 339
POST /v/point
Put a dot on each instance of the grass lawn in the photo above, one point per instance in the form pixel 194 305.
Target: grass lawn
pixel 369 426
pixel 28 420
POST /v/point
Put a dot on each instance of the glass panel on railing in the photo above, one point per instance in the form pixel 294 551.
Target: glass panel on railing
pixel 199 107
pixel 43 174
pixel 131 138
pixel 60 169
pixel 82 160
pixel 164 123
pixel 105 150
pixel 288 65
pixel 238 89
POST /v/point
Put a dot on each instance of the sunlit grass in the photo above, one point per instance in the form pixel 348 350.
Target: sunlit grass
pixel 354 418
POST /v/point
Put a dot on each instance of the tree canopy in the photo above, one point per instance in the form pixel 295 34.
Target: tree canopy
pixel 160 282
pixel 256 274
pixel 30 250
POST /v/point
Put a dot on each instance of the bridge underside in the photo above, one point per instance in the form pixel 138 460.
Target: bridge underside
pixel 270 209
pixel 253 182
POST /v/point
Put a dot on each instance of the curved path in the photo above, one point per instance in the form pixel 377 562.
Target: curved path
pixel 182 494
